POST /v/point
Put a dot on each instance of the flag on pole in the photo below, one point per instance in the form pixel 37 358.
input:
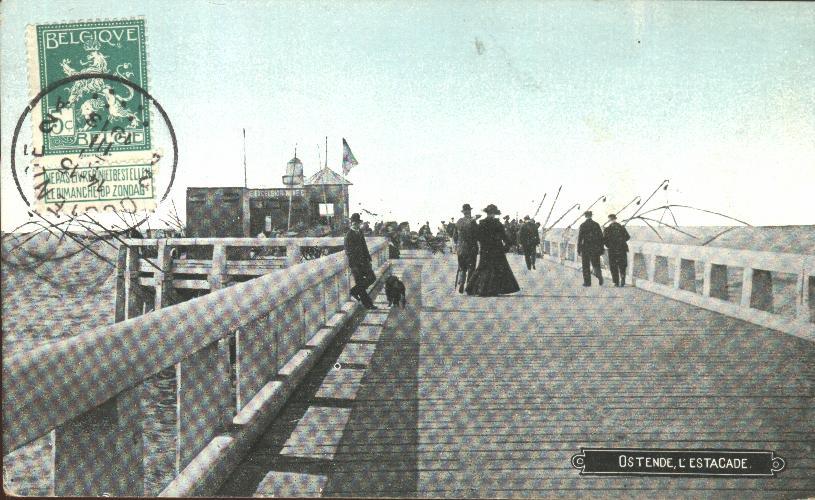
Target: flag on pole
pixel 348 159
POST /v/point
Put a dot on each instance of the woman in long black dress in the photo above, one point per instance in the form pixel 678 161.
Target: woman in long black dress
pixel 493 275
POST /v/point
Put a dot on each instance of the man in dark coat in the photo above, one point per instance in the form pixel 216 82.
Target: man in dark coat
pixel 529 239
pixel 590 248
pixel 615 237
pixel 466 236
pixel 359 261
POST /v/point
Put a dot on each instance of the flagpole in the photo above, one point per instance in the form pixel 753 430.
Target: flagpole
pixel 291 181
pixel 245 182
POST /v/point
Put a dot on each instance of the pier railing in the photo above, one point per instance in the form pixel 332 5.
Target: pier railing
pixel 88 388
pixel 771 289
pixel 165 265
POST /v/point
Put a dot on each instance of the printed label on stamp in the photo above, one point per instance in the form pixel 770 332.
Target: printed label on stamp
pixel 76 188
pixel 86 112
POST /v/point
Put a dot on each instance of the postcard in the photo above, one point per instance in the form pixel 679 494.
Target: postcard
pixel 408 249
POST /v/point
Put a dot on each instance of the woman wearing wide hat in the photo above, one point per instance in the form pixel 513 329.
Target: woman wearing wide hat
pixel 493 275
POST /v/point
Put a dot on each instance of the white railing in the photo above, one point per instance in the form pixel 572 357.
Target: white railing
pixel 162 266
pixel 88 388
pixel 771 289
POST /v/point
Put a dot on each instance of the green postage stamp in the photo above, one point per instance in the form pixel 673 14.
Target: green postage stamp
pixel 89 79
pixel 97 106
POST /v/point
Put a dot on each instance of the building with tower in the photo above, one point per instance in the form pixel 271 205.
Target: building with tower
pixel 320 200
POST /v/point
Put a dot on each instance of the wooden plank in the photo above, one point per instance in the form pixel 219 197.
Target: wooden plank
pixel 191 284
pixel 505 412
pixel 318 433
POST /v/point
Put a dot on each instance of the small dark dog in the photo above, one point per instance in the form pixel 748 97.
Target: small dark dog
pixel 395 292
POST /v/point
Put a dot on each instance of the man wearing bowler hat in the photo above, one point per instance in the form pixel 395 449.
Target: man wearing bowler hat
pixel 590 248
pixel 359 261
pixel 466 235
pixel 615 237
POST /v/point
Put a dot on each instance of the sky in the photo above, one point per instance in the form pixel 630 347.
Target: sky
pixel 445 103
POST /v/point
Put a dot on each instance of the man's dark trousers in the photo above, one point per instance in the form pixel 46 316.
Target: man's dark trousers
pixel 618 263
pixel 594 261
pixel 466 267
pixel 530 255
pixel 363 278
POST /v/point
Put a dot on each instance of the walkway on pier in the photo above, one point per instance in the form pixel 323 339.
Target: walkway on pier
pixel 463 396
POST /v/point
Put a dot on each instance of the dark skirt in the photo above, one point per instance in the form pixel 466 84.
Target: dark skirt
pixel 493 276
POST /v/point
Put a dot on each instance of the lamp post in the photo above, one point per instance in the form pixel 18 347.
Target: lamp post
pixel 663 185
pixel 636 199
pixel 603 198
pixel 576 205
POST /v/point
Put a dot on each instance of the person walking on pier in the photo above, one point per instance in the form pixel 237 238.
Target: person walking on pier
pixel 615 238
pixel 466 236
pixel 451 234
pixel 493 276
pixel 359 261
pixel 590 248
pixel 529 239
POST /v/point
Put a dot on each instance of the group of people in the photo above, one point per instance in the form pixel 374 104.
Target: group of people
pixel 481 247
pixel 592 241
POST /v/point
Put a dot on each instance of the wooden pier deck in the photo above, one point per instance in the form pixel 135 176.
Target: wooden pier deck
pixel 459 396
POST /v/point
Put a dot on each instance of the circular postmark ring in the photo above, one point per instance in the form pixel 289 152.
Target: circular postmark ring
pixel 86 76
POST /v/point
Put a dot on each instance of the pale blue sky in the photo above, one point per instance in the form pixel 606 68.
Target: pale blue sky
pixel 601 97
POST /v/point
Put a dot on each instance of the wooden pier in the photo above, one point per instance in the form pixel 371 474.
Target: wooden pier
pixel 453 396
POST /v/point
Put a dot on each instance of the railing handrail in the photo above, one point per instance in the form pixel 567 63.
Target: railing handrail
pixel 51 384
pixel 770 261
pixel 757 259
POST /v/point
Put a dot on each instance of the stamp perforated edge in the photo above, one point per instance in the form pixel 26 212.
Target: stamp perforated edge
pixel 35 87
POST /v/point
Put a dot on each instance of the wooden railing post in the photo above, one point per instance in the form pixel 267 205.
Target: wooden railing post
pixel 708 272
pixel 746 287
pixel 121 284
pixel 629 268
pixel 292 254
pixel 677 277
pixel 135 295
pixel 164 278
pixel 100 452
pixel 651 261
pixel 802 304
pixel 217 275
